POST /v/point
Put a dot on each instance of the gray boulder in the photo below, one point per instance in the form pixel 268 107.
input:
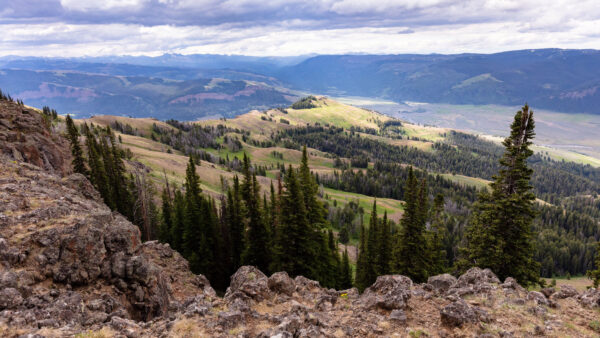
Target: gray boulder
pixel 389 292
pixel 248 282
pixel 442 283
pixel 280 282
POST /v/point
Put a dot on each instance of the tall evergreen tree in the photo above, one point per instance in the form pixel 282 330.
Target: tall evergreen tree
pixel 594 275
pixel 295 252
pixel 384 246
pixel 372 268
pixel 236 223
pixel 164 234
pixel 436 236
pixel 362 278
pixel 314 207
pixel 179 220
pixel 257 251
pixel 97 172
pixel 411 256
pixel 346 272
pixel 500 236
pixel 76 151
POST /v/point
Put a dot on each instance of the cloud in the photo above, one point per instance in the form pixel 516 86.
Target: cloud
pixel 291 27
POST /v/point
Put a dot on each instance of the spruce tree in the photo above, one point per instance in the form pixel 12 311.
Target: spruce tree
pixel 500 236
pixel 177 229
pixel 436 236
pixel 361 278
pixel 257 251
pixel 236 224
pixel 384 246
pixel 411 256
pixel 295 252
pixel 97 171
pixel 164 233
pixel 594 275
pixel 346 272
pixel 195 212
pixel 314 207
pixel 372 268
pixel 76 151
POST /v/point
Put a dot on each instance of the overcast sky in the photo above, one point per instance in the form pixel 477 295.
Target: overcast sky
pixel 293 27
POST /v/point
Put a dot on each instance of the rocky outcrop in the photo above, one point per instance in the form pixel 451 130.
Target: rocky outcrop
pixel 67 260
pixel 388 293
pixel 26 137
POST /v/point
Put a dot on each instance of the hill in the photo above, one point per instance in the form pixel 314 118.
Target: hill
pixel 84 94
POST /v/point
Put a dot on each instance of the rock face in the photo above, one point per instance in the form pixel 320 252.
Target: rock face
pixel 25 137
pixel 65 258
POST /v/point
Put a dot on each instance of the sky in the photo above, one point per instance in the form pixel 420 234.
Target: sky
pixel 72 28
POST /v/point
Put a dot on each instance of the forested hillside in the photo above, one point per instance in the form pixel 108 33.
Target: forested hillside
pixel 357 156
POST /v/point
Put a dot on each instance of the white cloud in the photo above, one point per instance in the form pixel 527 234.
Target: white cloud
pixel 292 27
pixel 101 5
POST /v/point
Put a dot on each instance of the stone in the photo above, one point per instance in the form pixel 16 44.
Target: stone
pixel 249 282
pixel 280 282
pixel 566 291
pixel 231 319
pixel 538 298
pixel 590 298
pixel 458 313
pixel 10 298
pixel 398 316
pixel 389 292
pixel 442 283
pixel 548 292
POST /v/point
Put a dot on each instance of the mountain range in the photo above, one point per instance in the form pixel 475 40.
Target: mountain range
pixel 180 85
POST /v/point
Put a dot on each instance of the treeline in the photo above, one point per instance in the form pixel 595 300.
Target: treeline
pixel 387 180
pixel 284 231
pixel 415 250
pixel 554 181
pixel 128 192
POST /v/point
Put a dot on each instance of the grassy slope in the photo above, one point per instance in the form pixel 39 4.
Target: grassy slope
pixel 154 155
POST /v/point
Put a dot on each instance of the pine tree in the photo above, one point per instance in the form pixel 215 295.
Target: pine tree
pixel 194 216
pixel 97 172
pixel 436 236
pixel 384 246
pixel 594 275
pixel 164 234
pixel 372 268
pixel 500 236
pixel 177 229
pixel 236 224
pixel 76 151
pixel 257 251
pixel 314 207
pixel 295 252
pixel 361 278
pixel 346 272
pixel 411 256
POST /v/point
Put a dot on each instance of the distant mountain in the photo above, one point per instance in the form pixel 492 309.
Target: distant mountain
pixel 85 94
pixel 553 79
pixel 561 80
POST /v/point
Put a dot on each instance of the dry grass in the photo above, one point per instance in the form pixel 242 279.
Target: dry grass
pixel 187 328
pixel 104 332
